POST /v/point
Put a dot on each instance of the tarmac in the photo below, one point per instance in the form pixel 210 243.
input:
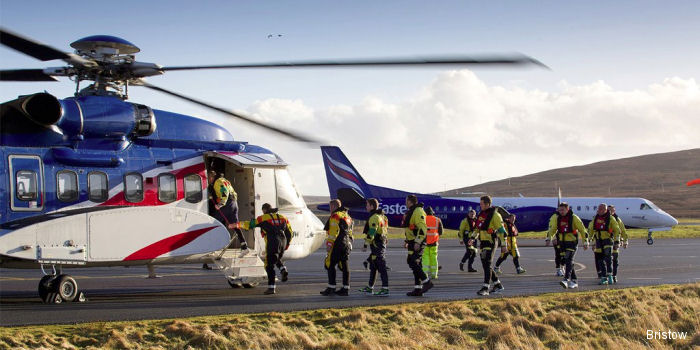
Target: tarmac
pixel 122 294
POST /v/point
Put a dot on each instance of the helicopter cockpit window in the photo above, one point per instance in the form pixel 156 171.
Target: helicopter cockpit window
pixel 193 188
pixel 98 188
pixel 287 194
pixel 644 206
pixel 26 185
pixel 133 187
pixel 67 186
pixel 167 188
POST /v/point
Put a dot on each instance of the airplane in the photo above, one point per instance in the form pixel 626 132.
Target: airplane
pixel 533 213
pixel 94 180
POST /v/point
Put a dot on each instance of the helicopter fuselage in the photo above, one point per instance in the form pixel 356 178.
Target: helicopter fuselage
pixel 97 181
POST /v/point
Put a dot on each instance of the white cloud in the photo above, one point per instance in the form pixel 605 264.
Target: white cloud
pixel 459 131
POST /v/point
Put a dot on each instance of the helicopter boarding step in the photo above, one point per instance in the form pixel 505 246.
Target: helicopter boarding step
pixel 241 267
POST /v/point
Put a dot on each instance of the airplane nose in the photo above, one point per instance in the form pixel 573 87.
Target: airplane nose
pixel 670 220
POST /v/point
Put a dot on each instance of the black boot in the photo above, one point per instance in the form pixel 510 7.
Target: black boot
pixel 285 275
pixel 461 266
pixel 417 292
pixel 328 291
pixel 269 291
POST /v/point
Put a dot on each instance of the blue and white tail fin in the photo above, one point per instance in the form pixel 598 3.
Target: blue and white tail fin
pixel 340 174
pixel 346 183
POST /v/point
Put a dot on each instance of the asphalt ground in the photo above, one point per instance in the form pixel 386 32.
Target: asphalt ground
pixel 119 293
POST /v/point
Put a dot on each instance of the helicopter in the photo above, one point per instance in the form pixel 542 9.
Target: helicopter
pixel 93 180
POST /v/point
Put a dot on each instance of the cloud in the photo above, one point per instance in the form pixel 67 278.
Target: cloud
pixel 458 131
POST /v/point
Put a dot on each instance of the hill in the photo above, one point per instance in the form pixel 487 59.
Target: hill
pixel 660 178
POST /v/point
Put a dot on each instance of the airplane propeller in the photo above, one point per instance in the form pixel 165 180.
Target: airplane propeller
pixel 110 70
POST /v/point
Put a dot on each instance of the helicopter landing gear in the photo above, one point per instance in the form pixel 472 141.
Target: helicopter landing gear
pixel 650 239
pixel 57 288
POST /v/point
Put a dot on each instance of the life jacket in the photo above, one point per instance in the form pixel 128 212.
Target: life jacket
pixel 472 224
pixel 565 224
pixel 432 236
pixel 602 223
pixel 271 225
pixel 512 230
pixel 483 220
pixel 339 227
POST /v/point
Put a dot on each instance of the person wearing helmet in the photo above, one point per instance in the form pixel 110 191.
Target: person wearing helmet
pixel 432 237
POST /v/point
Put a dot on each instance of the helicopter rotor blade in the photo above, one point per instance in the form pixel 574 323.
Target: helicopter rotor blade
pixel 40 51
pixel 288 133
pixel 25 75
pixel 501 60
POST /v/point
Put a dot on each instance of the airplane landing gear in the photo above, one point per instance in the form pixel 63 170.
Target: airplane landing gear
pixel 650 239
pixel 57 288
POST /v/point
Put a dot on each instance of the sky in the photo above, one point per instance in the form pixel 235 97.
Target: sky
pixel 624 79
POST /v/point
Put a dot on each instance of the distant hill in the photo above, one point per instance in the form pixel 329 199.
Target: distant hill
pixel 660 178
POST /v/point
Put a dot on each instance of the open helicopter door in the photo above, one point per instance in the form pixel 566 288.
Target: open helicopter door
pixel 253 178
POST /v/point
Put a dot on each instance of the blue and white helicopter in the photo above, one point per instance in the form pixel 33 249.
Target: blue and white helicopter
pixel 94 180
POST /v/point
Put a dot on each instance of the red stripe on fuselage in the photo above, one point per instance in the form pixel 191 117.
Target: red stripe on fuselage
pixel 167 245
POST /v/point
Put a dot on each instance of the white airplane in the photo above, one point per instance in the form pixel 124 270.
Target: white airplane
pixel 533 213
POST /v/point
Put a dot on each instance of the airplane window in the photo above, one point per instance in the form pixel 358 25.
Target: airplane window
pixel 287 194
pixel 98 188
pixel 444 209
pixel 26 185
pixel 133 187
pixel 193 188
pixel 67 186
pixel 461 208
pixel 167 188
pixel 644 206
pixel 588 208
pixel 578 208
pixel 454 208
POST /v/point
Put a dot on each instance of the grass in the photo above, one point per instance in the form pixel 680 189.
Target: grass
pixel 615 318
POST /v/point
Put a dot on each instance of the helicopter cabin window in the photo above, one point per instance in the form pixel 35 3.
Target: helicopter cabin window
pixel 133 187
pixel 167 188
pixel 67 186
pixel 644 206
pixel 26 185
pixel 193 188
pixel 98 188
pixel 287 194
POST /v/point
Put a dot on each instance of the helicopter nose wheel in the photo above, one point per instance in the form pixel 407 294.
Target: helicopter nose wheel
pixel 55 289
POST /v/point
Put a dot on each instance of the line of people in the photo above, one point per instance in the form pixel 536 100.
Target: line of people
pixel 422 230
pixel 607 232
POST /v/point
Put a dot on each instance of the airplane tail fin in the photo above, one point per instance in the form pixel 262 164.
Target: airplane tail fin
pixel 346 183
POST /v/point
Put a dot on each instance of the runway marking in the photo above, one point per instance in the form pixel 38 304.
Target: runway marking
pixel 644 278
